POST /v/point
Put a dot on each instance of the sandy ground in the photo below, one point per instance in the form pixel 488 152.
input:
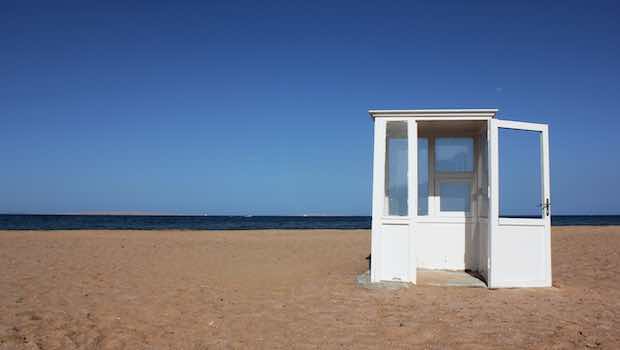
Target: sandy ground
pixel 284 289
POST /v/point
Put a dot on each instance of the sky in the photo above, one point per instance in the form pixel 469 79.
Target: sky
pixel 237 107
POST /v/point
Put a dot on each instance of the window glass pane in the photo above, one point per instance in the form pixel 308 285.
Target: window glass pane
pixel 396 177
pixel 519 174
pixel 454 154
pixel 455 195
pixel 422 176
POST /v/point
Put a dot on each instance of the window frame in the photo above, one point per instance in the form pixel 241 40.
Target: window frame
pixel 435 177
pixel 447 178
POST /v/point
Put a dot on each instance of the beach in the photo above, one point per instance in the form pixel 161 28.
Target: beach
pixel 267 289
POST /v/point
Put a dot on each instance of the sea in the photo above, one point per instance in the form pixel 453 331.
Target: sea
pixel 178 222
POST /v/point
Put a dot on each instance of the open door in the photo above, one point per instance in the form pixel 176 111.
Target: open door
pixel 520 212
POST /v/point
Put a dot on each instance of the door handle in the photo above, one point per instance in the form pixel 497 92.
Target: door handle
pixel 546 206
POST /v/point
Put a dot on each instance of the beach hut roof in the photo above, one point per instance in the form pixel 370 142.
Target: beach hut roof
pixel 432 113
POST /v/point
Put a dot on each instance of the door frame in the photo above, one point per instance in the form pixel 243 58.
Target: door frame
pixel 412 205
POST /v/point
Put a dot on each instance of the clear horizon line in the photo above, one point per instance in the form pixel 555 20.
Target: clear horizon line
pixel 164 213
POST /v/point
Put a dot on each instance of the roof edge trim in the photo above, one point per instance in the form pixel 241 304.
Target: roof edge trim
pixel 373 113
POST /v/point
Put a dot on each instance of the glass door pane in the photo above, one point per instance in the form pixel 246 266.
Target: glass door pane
pixel 520 176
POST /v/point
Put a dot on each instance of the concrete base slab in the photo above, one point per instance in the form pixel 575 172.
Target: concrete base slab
pixel 444 278
pixel 363 280
pixel 440 278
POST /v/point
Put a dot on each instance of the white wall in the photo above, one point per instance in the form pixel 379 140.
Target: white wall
pixel 444 245
pixel 395 253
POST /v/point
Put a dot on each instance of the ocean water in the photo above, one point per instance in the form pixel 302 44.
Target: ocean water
pixel 150 222
pixel 177 222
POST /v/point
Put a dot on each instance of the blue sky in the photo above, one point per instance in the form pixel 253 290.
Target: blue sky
pixel 247 108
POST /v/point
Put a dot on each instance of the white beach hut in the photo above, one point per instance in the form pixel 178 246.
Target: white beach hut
pixel 438 187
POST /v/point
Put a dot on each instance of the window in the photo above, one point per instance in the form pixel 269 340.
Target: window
pixel 454 154
pixel 396 186
pixel 455 195
pixel 454 174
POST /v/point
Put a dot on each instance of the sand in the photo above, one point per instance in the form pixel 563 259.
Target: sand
pixel 284 289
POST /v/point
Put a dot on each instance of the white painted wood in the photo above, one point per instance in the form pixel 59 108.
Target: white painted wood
pixel 516 125
pixel 520 247
pixel 412 133
pixel 520 259
pixel 378 193
pixel 442 244
pixel 445 219
pixel 392 245
pixel 441 114
pixel 395 220
pixel 546 175
pixel 486 223
pixel 433 111
pixel 395 253
pixel 438 117
pixel 493 200
pixel 520 222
